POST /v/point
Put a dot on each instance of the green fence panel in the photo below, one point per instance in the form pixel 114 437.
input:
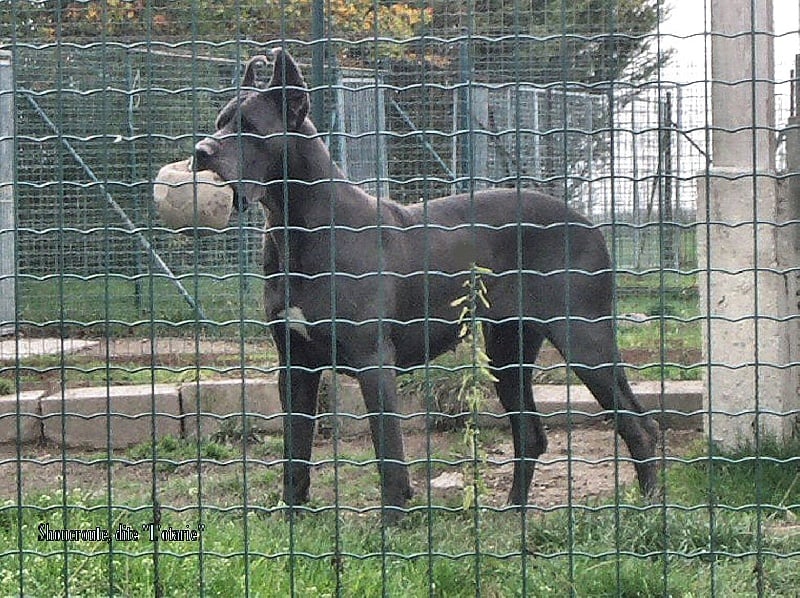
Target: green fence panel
pixel 146 448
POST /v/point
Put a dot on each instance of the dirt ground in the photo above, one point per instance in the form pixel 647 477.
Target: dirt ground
pixel 593 469
pixel 586 457
pixel 587 454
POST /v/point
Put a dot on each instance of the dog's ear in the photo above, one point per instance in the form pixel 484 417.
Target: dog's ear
pixel 256 62
pixel 285 70
pixel 287 76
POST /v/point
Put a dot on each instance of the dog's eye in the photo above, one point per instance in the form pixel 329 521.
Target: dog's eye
pixel 223 119
pixel 246 126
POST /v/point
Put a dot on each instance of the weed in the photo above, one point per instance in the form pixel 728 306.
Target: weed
pixel 238 429
pixel 170 453
pixel 472 390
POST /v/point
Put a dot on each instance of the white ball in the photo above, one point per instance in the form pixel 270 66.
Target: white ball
pixel 174 191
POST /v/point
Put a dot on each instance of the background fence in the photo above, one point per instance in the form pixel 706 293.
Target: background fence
pixel 72 174
pixel 153 105
pixel 140 429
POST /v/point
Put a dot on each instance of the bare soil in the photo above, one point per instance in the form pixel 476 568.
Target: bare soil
pixel 580 466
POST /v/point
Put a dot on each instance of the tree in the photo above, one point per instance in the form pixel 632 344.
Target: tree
pixel 590 46
pixel 541 41
pixel 549 41
pixel 209 19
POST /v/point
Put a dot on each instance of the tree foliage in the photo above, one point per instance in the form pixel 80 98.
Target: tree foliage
pixel 539 40
pixel 213 19
pixel 547 41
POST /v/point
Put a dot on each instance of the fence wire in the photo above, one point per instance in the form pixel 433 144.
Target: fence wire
pixel 141 429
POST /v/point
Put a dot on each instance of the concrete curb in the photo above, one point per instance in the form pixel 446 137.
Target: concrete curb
pixel 84 417
pixel 80 418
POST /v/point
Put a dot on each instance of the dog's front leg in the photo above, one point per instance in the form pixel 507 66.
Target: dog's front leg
pixel 298 392
pixel 378 388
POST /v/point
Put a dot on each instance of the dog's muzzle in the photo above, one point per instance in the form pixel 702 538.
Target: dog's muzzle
pixel 206 157
pixel 204 153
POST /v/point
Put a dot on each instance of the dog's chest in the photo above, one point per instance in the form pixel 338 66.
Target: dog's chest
pixel 275 280
pixel 287 288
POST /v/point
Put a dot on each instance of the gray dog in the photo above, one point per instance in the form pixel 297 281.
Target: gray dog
pixel 368 286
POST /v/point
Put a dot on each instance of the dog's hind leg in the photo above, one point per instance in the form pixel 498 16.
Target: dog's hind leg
pixel 514 389
pixel 590 348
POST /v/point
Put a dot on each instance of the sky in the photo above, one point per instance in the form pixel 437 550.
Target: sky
pixel 686 23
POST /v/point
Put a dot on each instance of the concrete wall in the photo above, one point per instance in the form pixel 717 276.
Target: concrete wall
pixel 118 417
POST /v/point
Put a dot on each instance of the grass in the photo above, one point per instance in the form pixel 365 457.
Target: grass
pixel 747 476
pixel 107 306
pixel 171 452
pixel 103 304
pixel 118 306
pixel 78 371
pixel 714 536
pixel 94 372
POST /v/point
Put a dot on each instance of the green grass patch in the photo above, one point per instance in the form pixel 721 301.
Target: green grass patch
pixel 710 534
pixel 35 372
pixel 769 475
pixel 117 305
pixel 670 305
pixel 74 371
pixel 95 373
pixel 170 452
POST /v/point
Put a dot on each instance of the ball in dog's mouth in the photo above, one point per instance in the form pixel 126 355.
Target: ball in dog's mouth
pixel 186 199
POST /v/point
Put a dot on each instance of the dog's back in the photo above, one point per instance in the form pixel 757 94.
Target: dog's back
pixel 510 232
pixel 524 219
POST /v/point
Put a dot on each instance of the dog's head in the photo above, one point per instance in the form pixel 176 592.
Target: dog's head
pixel 255 130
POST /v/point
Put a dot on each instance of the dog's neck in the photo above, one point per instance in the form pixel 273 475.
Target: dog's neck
pixel 313 179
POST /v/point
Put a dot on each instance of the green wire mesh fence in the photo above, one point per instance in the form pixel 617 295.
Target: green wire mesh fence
pixel 141 431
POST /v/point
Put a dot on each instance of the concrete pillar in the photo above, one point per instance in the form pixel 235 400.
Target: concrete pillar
pixel 742 251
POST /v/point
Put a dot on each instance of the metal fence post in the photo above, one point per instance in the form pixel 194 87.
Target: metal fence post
pixel 318 61
pixel 7 220
pixel 464 163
